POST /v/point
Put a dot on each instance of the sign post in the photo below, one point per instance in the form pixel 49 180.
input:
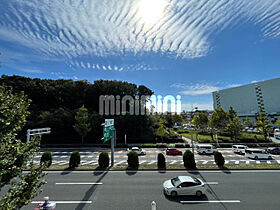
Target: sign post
pixel 38 131
pixel 109 134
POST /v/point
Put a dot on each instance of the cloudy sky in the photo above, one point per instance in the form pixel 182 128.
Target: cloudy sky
pixel 190 48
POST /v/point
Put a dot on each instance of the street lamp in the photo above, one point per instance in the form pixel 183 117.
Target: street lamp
pixel 195 108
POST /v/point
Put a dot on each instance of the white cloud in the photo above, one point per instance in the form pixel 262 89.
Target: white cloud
pixel 73 29
pixel 189 106
pixel 36 71
pixel 201 88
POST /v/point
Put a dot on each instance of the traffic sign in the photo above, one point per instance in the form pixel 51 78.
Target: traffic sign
pixel 108 130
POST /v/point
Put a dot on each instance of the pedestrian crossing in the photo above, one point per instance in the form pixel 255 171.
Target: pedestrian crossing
pixel 171 162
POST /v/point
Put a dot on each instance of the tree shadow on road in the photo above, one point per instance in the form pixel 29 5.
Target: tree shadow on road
pixel 92 189
pixel 131 171
pixel 66 171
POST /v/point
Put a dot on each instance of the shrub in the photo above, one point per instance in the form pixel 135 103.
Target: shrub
pixel 161 164
pixel 161 145
pixel 180 145
pixel 188 159
pixel 148 145
pixel 103 160
pixel 46 157
pixel 219 159
pixel 133 160
pixel 75 159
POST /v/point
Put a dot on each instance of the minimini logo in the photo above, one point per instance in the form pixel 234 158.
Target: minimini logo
pixel 138 105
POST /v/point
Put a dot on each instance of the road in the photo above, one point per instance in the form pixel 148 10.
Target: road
pixel 135 190
pixel 90 156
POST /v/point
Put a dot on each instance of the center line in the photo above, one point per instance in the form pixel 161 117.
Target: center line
pixel 73 183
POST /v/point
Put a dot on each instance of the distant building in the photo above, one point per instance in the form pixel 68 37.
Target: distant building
pixel 247 99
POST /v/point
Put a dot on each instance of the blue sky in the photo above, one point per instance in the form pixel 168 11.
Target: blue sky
pixel 190 48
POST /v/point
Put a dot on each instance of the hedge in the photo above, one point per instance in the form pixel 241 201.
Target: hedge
pixel 46 157
pixel 133 160
pixel 103 160
pixel 75 159
pixel 219 159
pixel 161 164
pixel 189 161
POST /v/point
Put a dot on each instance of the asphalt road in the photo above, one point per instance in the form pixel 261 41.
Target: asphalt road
pixel 135 190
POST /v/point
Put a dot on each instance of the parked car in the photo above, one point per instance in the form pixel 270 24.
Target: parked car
pixel 138 150
pixel 257 154
pixel 240 149
pixel 277 136
pixel 205 149
pixel 184 185
pixel 273 150
pixel 173 151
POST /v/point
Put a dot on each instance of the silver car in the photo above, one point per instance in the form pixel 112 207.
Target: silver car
pixel 184 185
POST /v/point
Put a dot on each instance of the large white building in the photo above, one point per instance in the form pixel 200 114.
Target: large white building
pixel 247 99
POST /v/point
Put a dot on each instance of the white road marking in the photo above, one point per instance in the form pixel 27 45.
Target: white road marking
pixel 118 163
pixel 141 162
pixel 278 161
pixel 247 161
pixel 210 183
pixel 236 162
pixel 154 161
pixel 65 202
pixel 269 162
pixel 78 183
pixel 258 162
pixel 212 201
pixel 172 162
pixel 205 161
pixel 88 162
pixel 226 162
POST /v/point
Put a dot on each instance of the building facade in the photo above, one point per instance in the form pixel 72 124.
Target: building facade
pixel 247 99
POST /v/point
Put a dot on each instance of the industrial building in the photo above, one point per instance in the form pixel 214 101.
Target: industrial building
pixel 247 99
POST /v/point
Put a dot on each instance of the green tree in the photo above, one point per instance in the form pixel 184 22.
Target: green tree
pixel 82 126
pixel 161 130
pixel 263 124
pixel 219 120
pixel 234 127
pixel 231 113
pixel 248 123
pixel 277 123
pixel 200 121
pixel 15 155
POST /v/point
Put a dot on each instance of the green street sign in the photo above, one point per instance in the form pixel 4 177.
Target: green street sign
pixel 108 130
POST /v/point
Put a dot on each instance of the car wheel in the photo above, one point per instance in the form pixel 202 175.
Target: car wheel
pixel 198 193
pixel 256 157
pixel 173 194
pixel 269 158
pixel 240 152
pixel 204 153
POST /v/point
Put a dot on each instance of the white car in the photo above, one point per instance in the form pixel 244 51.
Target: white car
pixel 257 154
pixel 184 185
pixel 138 150
pixel 240 149
pixel 205 149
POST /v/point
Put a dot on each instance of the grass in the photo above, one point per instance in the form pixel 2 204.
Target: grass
pixel 243 137
pixel 123 167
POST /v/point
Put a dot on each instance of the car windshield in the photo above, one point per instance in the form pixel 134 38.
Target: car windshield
pixel 196 180
pixel 175 181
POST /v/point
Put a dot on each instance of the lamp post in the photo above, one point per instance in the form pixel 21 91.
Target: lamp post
pixel 195 108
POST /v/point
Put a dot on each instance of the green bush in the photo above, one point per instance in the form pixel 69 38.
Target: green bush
pixel 75 159
pixel 46 157
pixel 103 160
pixel 148 145
pixel 133 160
pixel 219 159
pixel 188 159
pixel 161 145
pixel 180 145
pixel 161 164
